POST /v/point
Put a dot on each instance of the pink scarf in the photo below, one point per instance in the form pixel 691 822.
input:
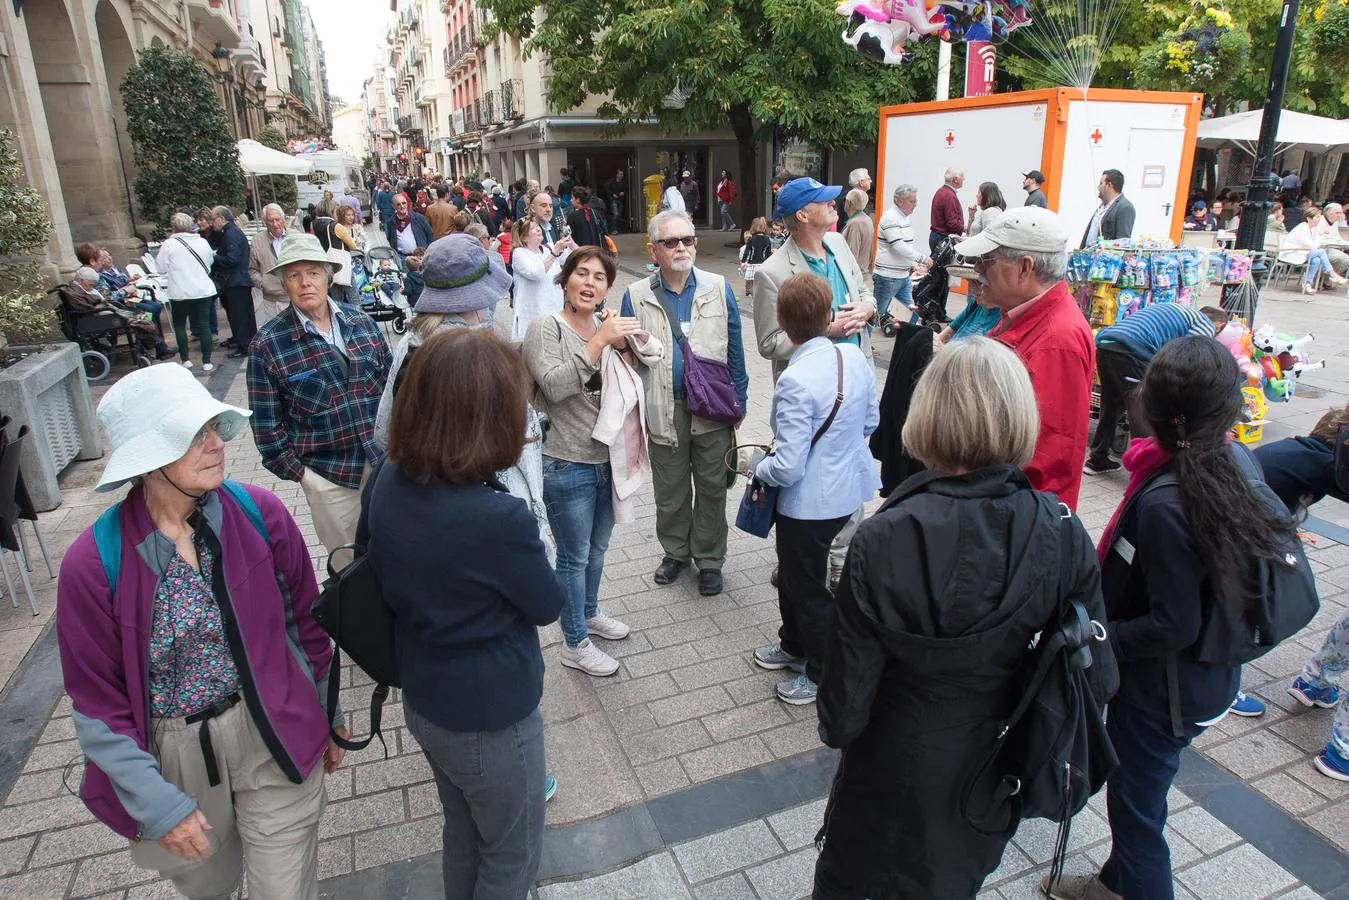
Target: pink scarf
pixel 1143 457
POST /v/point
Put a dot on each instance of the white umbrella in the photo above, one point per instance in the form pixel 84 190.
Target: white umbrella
pixel 259 159
pixel 1297 131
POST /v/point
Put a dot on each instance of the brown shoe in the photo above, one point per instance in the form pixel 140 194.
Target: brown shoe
pixel 1078 887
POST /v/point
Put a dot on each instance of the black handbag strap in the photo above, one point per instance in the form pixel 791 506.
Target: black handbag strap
pixel 196 256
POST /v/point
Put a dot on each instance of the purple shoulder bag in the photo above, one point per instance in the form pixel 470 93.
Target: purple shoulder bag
pixel 708 388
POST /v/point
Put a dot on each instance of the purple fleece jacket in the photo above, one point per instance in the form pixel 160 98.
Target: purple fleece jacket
pixel 104 639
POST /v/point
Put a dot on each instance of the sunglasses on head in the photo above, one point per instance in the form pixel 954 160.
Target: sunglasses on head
pixel 671 243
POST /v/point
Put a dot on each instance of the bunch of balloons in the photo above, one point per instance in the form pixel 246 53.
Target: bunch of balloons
pixel 883 29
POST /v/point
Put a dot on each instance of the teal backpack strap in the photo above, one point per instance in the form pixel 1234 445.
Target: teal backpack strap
pixel 245 500
pixel 108 541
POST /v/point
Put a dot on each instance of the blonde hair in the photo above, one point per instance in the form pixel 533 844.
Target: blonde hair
pixel 759 226
pixel 426 324
pixel 974 407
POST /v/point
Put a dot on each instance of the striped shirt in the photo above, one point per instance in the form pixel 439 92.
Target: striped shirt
pixel 896 252
pixel 1146 331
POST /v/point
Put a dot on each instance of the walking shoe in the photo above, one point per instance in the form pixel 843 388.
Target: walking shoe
pixel 1307 288
pixel 709 582
pixel 1331 764
pixel 589 659
pixel 800 691
pixel 549 787
pixel 606 626
pixel 1095 466
pixel 1308 694
pixel 208 367
pixel 1246 705
pixel 187 364
pixel 773 657
pixel 1078 887
pixel 669 570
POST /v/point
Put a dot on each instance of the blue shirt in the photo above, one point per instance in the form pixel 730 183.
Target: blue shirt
pixel 1145 332
pixel 682 305
pixel 974 320
pixel 829 270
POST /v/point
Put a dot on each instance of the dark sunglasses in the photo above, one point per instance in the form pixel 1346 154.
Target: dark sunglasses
pixel 671 243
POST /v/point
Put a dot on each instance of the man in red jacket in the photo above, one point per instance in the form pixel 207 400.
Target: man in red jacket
pixel 1022 257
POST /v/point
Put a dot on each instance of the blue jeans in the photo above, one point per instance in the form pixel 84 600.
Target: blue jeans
pixel 1149 756
pixel 615 214
pixel 727 220
pixel 581 514
pixel 888 289
pixel 1317 263
pixel 1324 670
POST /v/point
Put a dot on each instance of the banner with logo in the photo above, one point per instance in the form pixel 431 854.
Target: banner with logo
pixel 981 62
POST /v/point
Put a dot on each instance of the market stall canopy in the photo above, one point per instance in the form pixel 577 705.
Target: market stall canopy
pixel 1297 131
pixel 258 159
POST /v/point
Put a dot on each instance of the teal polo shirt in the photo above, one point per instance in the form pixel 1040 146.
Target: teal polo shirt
pixel 829 270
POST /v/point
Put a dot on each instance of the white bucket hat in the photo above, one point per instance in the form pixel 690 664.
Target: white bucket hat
pixel 151 417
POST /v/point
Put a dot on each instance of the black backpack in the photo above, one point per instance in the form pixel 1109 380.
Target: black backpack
pixel 1052 753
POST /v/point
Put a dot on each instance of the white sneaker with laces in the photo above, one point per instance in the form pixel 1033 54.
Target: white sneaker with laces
pixel 208 367
pixel 589 659
pixel 187 364
pixel 606 626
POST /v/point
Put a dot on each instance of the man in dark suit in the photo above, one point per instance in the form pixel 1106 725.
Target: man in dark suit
pixel 1114 218
pixel 230 271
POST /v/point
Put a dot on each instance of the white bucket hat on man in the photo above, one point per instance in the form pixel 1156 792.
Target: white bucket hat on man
pixel 151 417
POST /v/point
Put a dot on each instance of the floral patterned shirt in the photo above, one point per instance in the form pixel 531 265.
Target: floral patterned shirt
pixel 190 662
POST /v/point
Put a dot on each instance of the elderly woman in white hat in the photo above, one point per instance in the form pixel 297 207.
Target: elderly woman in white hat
pixel 197 674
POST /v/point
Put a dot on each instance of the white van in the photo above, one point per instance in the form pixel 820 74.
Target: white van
pixel 337 172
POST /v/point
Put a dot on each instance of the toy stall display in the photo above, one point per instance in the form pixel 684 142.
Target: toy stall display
pixel 882 30
pixel 1118 278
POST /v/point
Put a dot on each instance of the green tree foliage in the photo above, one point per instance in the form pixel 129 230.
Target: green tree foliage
pixel 275 188
pixel 24 226
pixel 181 138
pixel 748 64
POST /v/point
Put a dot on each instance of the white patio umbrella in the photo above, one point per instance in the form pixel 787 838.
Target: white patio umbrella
pixel 1297 131
pixel 259 159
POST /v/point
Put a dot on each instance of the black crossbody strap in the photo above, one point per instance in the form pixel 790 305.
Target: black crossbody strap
pixel 196 256
pixel 838 400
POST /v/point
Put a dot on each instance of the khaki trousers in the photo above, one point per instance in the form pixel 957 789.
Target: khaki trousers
pixel 334 509
pixel 259 820
pixel 690 487
pixel 265 310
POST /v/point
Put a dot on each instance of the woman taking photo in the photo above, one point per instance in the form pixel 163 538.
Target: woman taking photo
pixel 1180 548
pixel 534 267
pixel 467 619
pixel 206 737
pixel 824 407
pixel 946 586
pixel 184 259
pixel 563 352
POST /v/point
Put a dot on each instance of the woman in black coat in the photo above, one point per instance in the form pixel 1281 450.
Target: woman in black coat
pixel 945 587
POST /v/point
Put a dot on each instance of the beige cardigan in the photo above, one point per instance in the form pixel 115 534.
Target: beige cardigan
pixel 622 421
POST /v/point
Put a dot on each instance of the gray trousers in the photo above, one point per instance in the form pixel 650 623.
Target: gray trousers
pixel 491 791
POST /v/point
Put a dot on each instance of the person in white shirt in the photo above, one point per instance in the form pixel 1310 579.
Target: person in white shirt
pixel 184 259
pixel 1332 218
pixel 672 199
pixel 534 268
pixel 1302 247
pixel 896 252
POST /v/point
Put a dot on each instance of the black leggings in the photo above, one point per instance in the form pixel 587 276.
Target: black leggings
pixel 199 311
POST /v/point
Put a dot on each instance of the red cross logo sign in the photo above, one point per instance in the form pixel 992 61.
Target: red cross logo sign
pixel 1096 136
pixel 950 139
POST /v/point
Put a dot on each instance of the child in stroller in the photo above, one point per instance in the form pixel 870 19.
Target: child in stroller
pixel 383 284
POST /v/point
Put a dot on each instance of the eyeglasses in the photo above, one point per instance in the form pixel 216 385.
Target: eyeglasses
pixel 211 427
pixel 671 243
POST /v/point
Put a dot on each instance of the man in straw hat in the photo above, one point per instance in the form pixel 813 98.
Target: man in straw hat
pixel 314 382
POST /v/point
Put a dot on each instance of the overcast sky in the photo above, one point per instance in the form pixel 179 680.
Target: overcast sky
pixel 352 32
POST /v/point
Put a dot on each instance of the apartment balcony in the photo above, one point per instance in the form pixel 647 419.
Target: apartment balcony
pixel 489 108
pixel 423 98
pixel 464 123
pixel 405 125
pixel 216 20
pixel 448 58
pixel 512 99
pixel 248 57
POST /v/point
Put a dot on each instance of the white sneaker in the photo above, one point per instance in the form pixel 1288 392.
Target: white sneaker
pixel 187 364
pixel 208 367
pixel 589 659
pixel 1307 288
pixel 607 627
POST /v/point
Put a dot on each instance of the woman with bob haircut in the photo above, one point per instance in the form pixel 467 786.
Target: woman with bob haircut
pixel 946 586
pixel 466 639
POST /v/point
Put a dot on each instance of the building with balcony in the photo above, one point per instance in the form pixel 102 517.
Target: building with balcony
pixel 382 140
pixel 292 103
pixel 463 68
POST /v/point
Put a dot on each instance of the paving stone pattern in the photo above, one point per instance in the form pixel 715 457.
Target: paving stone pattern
pixel 686 707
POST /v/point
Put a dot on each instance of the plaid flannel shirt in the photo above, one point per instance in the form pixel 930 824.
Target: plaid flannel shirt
pixel 306 412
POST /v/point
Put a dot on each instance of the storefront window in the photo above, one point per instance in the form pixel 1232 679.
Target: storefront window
pixel 795 157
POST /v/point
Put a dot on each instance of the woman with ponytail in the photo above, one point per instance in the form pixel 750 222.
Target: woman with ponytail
pixel 1172 548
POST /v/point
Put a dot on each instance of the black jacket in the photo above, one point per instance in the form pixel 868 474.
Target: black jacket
pixel 1300 468
pixel 230 268
pixel 944 588
pixel 910 355
pixel 586 226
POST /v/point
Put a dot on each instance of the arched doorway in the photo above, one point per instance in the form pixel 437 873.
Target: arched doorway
pixel 118 57
pixel 80 125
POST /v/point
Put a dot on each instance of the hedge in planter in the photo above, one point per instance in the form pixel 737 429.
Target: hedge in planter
pixel 24 226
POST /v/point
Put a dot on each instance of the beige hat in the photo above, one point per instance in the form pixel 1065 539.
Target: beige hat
pixel 1027 228
pixel 301 248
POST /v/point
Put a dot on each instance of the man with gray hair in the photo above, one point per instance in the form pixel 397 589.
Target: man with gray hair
pixel 1022 258
pixel 896 252
pixel 682 302
pixel 1332 217
pixel 265 248
pixel 948 216
pixel 230 271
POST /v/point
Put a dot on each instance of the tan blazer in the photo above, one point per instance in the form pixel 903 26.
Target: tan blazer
pixel 260 260
pixel 788 260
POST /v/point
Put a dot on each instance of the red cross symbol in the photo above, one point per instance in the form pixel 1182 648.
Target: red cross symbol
pixel 950 138
pixel 1096 136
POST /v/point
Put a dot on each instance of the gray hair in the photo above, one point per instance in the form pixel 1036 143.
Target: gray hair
pixel 1050 265
pixel 1333 207
pixel 905 190
pixel 477 230
pixel 224 212
pixel 273 207
pixel 182 222
pixel 856 175
pixel 659 219
pixel 84 273
pixel 952 173
pixel 856 200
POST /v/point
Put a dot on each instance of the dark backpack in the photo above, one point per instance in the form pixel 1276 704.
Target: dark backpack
pixel 1052 753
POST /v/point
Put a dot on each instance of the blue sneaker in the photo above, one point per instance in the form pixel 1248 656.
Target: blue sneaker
pixel 549 787
pixel 1246 705
pixel 1331 764
pixel 1308 694
pixel 800 691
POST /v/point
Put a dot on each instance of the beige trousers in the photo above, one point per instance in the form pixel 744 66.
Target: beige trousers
pixel 265 310
pixel 259 820
pixel 334 509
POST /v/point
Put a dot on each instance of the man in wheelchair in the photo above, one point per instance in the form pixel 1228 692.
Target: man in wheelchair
pixel 85 296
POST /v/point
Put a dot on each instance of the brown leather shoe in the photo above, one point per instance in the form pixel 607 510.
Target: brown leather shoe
pixel 1079 887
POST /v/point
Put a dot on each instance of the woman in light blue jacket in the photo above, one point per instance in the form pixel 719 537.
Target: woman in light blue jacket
pixel 824 408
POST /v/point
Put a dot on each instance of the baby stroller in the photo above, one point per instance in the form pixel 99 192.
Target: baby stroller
pixel 381 284
pixel 929 294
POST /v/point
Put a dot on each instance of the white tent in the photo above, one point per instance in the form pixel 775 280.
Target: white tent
pixel 259 159
pixel 1297 131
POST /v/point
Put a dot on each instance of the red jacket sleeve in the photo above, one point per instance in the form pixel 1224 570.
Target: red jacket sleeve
pixel 1062 382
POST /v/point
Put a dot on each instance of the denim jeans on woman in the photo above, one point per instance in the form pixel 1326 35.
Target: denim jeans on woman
pixel 581 514
pixel 1318 263
pixel 727 220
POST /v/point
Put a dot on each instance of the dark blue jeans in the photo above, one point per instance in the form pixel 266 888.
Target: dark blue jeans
pixel 1139 866
pixel 581 514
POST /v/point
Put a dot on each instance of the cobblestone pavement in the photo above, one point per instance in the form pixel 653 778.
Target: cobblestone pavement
pixel 686 714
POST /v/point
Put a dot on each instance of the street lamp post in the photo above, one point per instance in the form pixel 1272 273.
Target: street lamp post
pixel 224 76
pixel 1255 208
